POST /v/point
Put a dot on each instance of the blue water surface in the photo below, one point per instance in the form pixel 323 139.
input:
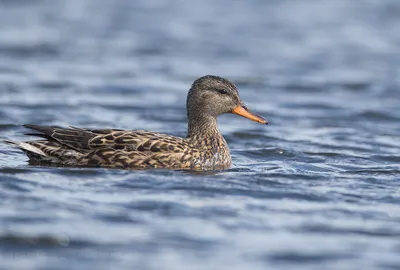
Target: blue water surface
pixel 318 188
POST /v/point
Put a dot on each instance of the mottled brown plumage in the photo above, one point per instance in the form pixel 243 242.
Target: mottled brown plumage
pixel 204 148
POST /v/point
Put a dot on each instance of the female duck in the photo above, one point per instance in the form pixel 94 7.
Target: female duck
pixel 204 148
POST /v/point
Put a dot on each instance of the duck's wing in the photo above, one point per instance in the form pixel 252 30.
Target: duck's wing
pixel 87 140
pixel 78 139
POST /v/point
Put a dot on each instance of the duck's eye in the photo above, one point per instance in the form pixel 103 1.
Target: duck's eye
pixel 222 91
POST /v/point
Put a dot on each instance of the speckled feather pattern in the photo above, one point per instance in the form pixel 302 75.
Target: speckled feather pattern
pixel 129 149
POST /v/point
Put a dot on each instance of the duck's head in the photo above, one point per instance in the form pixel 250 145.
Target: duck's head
pixel 211 96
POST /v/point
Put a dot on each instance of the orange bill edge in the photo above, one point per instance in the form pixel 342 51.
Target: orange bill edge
pixel 243 111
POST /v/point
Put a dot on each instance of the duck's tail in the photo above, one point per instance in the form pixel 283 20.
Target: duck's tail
pixel 25 146
pixel 47 152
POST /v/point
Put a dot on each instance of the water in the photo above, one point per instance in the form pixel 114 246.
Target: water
pixel 316 189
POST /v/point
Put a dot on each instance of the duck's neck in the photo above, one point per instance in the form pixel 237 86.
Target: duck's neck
pixel 202 126
pixel 204 136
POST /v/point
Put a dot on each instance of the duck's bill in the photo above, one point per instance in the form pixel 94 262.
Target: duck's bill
pixel 242 110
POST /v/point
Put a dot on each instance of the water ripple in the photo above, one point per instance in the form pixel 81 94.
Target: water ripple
pixel 315 189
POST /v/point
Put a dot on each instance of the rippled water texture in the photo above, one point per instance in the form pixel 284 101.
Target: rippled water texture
pixel 316 189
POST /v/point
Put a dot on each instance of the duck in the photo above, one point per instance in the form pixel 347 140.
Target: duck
pixel 203 149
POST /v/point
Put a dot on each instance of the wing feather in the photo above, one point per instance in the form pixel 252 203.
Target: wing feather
pixel 86 140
